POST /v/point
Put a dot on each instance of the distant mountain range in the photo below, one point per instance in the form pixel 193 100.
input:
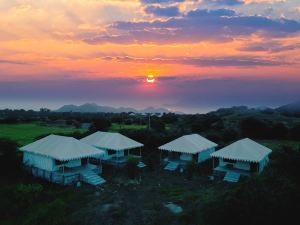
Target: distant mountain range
pixel 94 108
pixel 292 107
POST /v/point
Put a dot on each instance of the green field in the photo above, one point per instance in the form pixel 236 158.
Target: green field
pixel 25 133
pixel 116 127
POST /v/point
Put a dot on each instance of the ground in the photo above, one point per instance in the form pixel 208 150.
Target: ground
pixel 124 201
pixel 25 133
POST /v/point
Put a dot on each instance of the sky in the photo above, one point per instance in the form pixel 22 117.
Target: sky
pixel 204 54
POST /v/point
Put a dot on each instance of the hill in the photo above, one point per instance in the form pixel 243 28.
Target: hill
pixel 94 108
pixel 292 107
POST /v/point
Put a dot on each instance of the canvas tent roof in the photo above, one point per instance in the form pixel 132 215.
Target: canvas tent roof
pixel 111 141
pixel 192 144
pixel 243 150
pixel 61 148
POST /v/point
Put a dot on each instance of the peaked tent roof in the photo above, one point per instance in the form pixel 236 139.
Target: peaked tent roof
pixel 192 144
pixel 112 141
pixel 61 148
pixel 243 150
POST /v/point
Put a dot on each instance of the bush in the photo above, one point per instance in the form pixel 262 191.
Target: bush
pixel 52 213
pixel 10 163
pixel 158 125
pixel 100 124
pixel 26 193
pixel 132 167
pixel 269 198
pixel 190 169
pixel 255 128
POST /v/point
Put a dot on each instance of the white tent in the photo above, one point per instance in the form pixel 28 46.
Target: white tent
pixel 191 144
pixel 245 155
pixel 63 160
pixel 111 141
pixel 61 148
pixel 243 150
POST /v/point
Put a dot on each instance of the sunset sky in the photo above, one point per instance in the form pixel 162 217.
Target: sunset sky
pixel 204 54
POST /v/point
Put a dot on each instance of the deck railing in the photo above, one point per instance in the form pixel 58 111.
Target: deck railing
pixel 54 177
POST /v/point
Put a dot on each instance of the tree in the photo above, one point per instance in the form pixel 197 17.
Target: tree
pixel 190 169
pixel 9 161
pixel 132 167
pixel 100 124
pixel 158 125
pixel 255 128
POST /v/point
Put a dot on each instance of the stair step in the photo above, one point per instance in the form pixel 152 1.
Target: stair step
pixel 92 178
pixel 141 165
pixel 232 177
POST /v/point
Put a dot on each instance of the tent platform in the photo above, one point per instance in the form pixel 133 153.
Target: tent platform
pixel 67 177
pixel 119 161
pixel 221 170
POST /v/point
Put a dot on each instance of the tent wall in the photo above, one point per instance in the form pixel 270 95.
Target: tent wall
pixel 71 163
pixel 238 164
pixel 186 157
pixel 263 163
pixel 108 156
pixel 120 153
pixel 242 165
pixel 39 161
pixel 204 155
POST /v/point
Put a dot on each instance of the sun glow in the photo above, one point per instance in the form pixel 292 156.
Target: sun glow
pixel 150 78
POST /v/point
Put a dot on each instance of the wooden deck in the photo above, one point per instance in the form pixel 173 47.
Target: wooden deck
pixel 224 170
pixel 119 161
pixel 67 177
pixel 175 160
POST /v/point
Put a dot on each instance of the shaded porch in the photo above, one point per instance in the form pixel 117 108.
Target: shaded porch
pixel 176 157
pixel 222 170
pixel 66 176
pixel 120 157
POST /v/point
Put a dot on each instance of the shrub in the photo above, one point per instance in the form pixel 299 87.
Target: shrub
pixel 132 167
pixel 10 163
pixel 190 169
pixel 52 213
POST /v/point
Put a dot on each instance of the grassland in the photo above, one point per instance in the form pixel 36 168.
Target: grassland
pixel 25 133
pixel 116 127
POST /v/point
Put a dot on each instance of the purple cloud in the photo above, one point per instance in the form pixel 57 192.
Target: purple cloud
pixel 160 1
pixel 237 61
pixel 198 25
pixel 225 2
pixel 14 62
pixel 270 46
pixel 162 11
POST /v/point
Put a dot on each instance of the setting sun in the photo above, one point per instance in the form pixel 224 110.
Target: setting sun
pixel 150 78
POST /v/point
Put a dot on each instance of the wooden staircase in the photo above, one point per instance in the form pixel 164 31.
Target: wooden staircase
pixel 141 165
pixel 232 177
pixel 90 177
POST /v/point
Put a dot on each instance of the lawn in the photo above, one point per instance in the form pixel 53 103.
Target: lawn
pixel 116 127
pixel 25 133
